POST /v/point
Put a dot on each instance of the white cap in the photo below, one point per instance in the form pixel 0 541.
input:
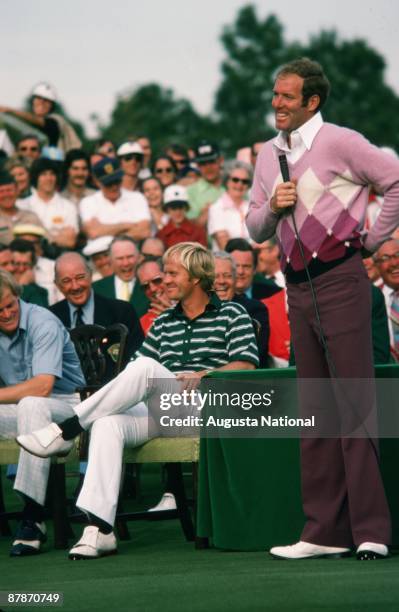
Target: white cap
pixel 98 245
pixel 28 228
pixel 130 147
pixel 175 193
pixel 46 91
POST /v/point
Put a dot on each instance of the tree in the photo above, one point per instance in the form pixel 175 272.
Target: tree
pixel 156 112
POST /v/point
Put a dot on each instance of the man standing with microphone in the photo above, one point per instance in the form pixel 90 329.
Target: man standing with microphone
pixel 318 219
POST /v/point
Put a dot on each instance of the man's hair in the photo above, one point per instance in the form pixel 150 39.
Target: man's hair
pixel 150 259
pixel 222 255
pixel 42 165
pixel 240 244
pixel 72 156
pixel 7 281
pixel 152 239
pixel 66 257
pixel 315 81
pixel 23 246
pixel 196 260
pixel 123 238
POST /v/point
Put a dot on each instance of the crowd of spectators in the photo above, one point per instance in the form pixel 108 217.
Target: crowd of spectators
pixel 61 198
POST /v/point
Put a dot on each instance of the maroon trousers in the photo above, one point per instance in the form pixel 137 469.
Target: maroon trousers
pixel 343 496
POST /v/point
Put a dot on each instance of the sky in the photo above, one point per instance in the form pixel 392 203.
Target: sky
pixel 94 50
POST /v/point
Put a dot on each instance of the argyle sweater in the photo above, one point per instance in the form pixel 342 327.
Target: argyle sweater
pixel 333 183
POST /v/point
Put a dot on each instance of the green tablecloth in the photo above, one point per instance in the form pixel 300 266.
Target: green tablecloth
pixel 249 489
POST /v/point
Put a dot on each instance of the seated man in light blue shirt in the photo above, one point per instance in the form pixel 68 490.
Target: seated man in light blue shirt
pixel 39 372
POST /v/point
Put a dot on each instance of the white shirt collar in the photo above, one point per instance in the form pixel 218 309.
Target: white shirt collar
pixel 305 134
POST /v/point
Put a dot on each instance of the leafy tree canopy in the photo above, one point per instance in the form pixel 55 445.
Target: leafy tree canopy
pixel 155 111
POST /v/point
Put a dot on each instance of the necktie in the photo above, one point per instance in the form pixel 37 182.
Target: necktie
pixel 79 316
pixel 394 316
pixel 125 291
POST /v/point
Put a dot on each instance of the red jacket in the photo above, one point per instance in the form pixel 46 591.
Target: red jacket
pixel 188 231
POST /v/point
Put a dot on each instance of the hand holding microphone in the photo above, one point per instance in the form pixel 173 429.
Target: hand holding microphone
pixel 285 195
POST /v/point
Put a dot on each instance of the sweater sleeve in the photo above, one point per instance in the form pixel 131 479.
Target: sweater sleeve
pixel 371 166
pixel 261 220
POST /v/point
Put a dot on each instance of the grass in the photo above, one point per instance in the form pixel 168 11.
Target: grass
pixel 157 570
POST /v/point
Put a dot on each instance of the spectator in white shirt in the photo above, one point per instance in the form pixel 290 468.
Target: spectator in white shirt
pixel 57 214
pixel 112 210
pixel 227 215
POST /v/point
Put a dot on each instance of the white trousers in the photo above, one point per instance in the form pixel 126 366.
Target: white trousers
pixel 118 416
pixel 29 414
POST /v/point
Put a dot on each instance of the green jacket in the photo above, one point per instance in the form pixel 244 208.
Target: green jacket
pixel 34 294
pixel 106 287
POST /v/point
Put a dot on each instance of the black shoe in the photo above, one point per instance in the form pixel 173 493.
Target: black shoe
pixel 28 538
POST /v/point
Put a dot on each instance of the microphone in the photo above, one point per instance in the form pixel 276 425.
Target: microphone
pixel 285 173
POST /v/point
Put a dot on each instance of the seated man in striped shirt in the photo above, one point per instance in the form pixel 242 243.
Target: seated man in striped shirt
pixel 198 335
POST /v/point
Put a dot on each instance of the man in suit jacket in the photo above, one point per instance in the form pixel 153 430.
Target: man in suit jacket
pixel 248 281
pixel 82 306
pixel 387 262
pixel 122 284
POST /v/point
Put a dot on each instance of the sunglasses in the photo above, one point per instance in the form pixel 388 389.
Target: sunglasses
pixel 236 179
pixel 131 156
pixel 32 149
pixel 162 170
pixel 157 281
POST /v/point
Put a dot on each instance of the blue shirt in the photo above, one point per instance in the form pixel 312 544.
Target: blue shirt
pixel 40 345
pixel 87 312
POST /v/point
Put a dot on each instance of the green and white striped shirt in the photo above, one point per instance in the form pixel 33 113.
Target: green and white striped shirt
pixel 221 334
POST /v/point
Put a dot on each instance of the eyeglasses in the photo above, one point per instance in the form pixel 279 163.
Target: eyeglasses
pixel 31 149
pixel 162 170
pixel 130 156
pixel 386 258
pixel 157 281
pixel 236 179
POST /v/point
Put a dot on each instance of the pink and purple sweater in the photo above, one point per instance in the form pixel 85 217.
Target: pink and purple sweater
pixel 334 180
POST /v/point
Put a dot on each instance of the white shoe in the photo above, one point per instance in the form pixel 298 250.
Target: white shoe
pixel 94 544
pixel 167 502
pixel 371 551
pixel 305 550
pixel 46 442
